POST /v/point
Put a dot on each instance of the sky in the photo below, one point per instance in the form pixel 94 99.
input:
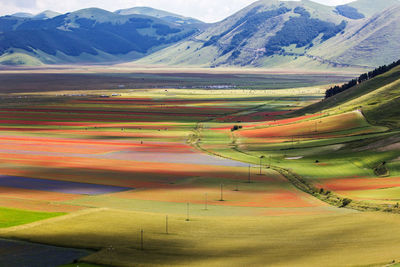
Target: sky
pixel 205 10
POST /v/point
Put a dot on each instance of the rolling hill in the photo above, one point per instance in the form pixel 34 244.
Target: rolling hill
pixel 164 15
pixel 378 98
pixel 48 14
pixel 370 7
pixel 292 34
pixel 22 15
pixel 88 35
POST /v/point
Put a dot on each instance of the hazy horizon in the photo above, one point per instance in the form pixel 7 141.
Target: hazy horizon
pixel 205 10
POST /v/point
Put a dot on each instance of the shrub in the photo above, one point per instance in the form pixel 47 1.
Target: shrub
pixel 381 169
pixel 346 202
pixel 236 127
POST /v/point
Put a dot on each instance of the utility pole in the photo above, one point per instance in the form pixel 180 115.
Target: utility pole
pixel 249 181
pixel 222 192
pixel 166 224
pixel 261 157
pixel 111 249
pixel 187 212
pixel 141 239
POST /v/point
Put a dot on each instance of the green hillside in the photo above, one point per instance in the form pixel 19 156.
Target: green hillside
pixel 19 59
pixel 378 98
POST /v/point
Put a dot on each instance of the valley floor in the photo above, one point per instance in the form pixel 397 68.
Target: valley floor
pixel 106 165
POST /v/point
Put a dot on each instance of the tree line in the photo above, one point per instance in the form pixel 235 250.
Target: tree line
pixel 363 77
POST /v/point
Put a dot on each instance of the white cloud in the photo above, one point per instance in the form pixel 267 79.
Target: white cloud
pixel 206 10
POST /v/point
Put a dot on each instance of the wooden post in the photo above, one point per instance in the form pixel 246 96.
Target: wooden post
pixel 261 157
pixel 237 187
pixel 166 224
pixel 222 192
pixel 111 249
pixel 205 203
pixel 249 181
pixel 141 239
pixel 187 212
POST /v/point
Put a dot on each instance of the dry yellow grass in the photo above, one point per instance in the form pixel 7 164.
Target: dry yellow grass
pixel 339 239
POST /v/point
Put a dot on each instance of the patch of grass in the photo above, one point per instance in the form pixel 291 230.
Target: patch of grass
pixel 14 217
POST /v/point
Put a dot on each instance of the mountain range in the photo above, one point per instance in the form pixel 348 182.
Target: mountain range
pixel 268 33
pixel 89 35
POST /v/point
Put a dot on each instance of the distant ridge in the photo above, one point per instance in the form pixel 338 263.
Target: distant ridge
pixel 48 14
pixel 23 15
pixel 164 15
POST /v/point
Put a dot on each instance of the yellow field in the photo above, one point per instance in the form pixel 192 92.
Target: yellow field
pixel 340 239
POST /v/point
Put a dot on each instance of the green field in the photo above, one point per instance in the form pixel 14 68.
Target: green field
pixel 14 217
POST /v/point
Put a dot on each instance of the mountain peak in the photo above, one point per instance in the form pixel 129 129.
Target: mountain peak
pixel 93 13
pixel 143 10
pixel 161 14
pixel 47 14
pixel 22 15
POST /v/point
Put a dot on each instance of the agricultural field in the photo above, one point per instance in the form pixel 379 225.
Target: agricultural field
pixel 199 171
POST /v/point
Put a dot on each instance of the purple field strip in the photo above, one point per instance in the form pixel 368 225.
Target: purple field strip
pixel 59 186
pixel 141 156
pixel 18 253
